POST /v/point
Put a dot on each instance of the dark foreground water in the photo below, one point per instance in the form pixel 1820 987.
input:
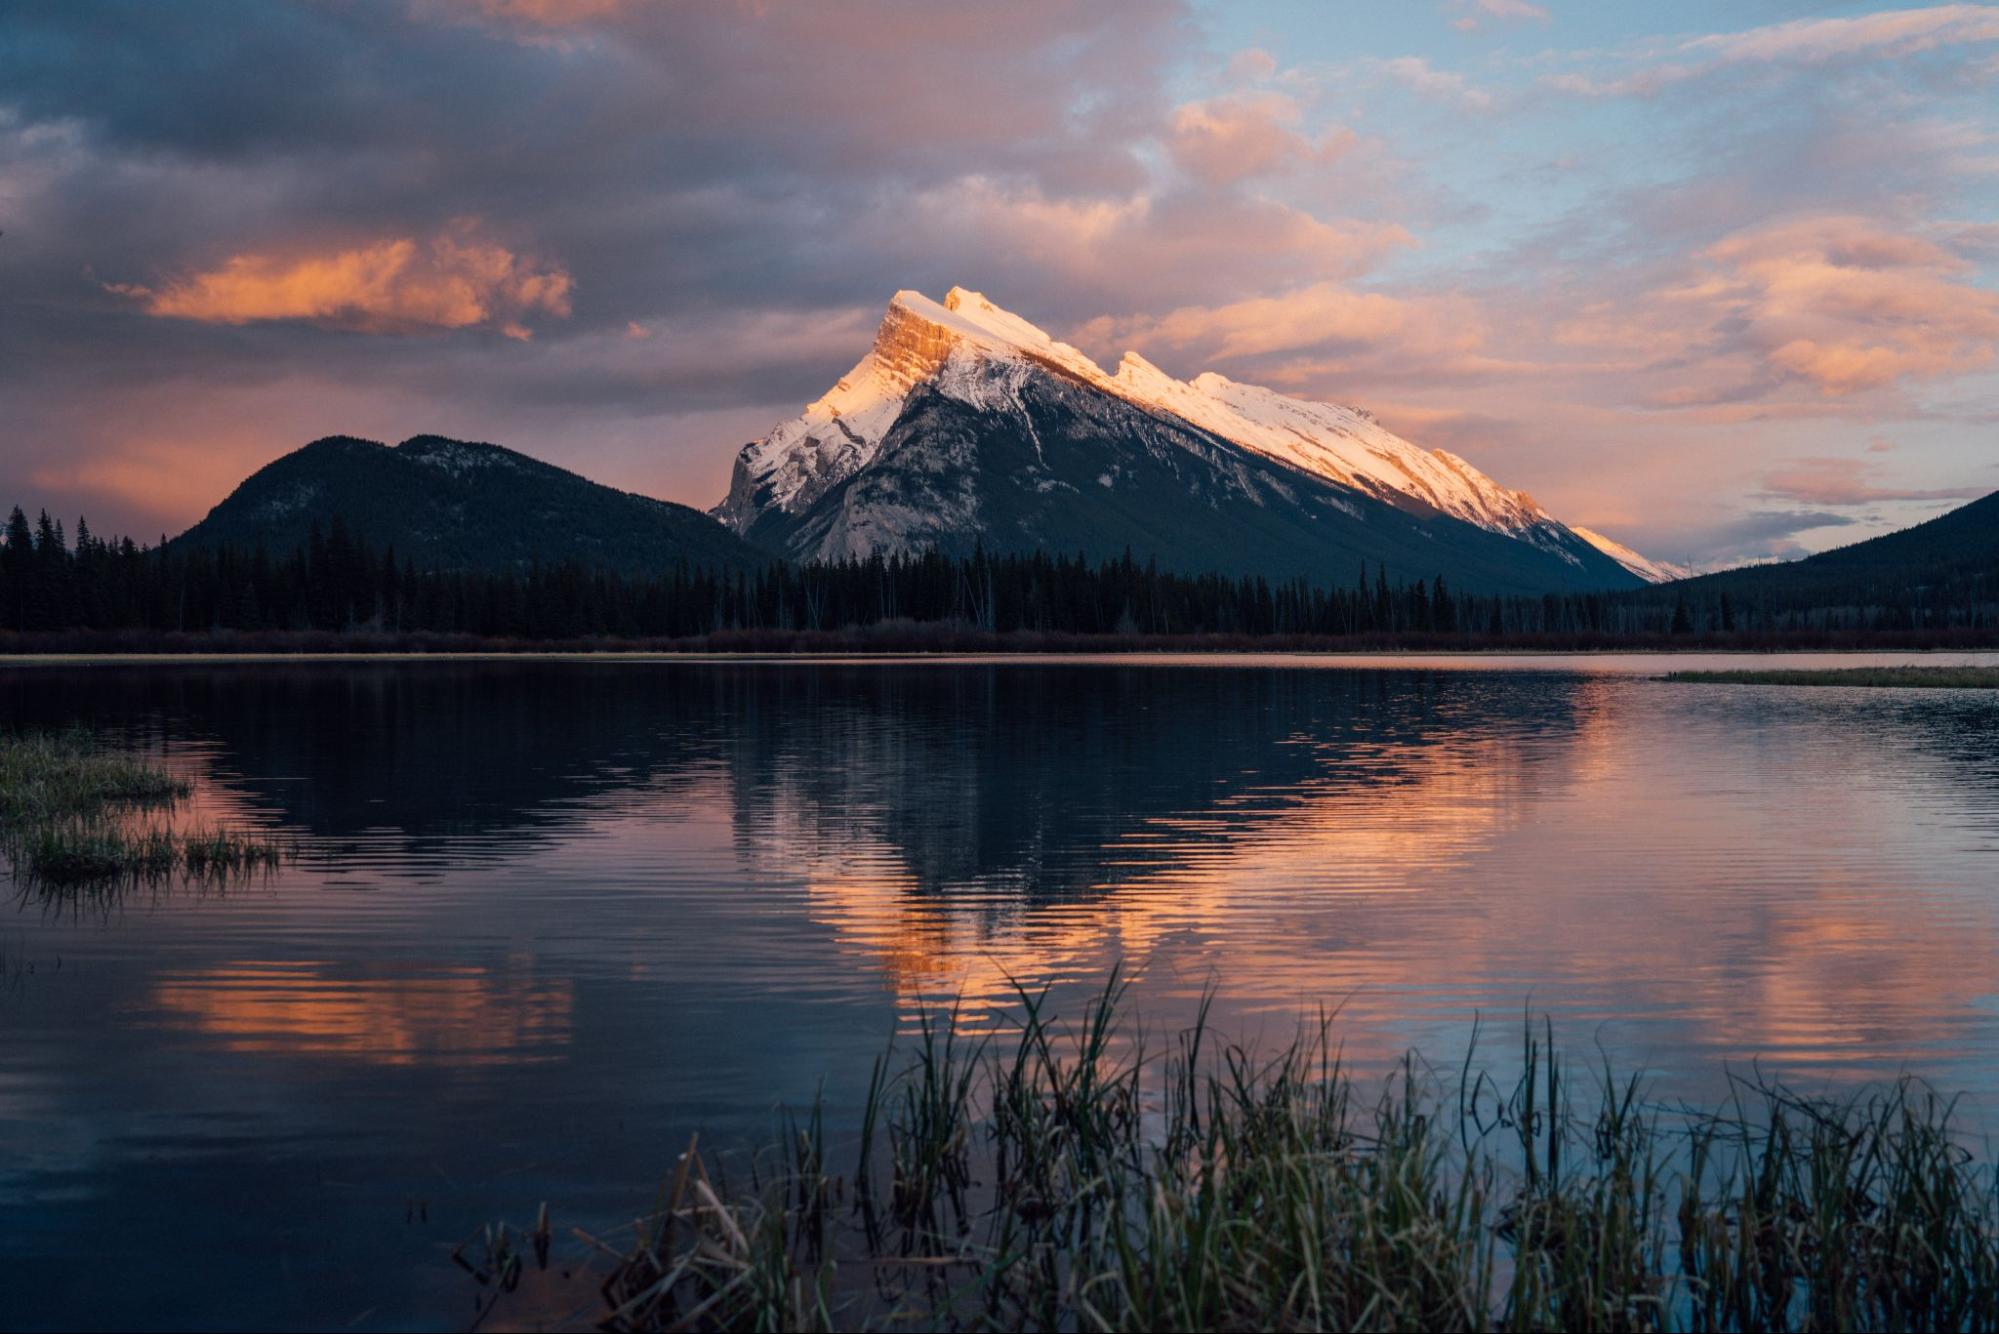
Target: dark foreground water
pixel 552 918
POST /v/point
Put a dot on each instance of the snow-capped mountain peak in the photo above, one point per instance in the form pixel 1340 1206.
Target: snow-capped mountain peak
pixel 1013 331
pixel 838 433
pixel 954 345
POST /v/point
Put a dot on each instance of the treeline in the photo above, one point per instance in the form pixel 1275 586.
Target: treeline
pixel 335 584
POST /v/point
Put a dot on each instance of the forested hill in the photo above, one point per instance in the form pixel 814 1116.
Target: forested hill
pixel 1935 586
pixel 1953 558
pixel 452 505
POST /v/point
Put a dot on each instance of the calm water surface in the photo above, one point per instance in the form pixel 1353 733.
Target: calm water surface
pixel 551 918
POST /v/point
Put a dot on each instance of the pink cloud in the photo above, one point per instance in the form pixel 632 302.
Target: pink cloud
pixel 1845 305
pixel 1420 76
pixel 552 11
pixel 1317 329
pixel 1836 481
pixel 1131 252
pixel 1227 139
pixel 1471 13
pixel 1888 35
pixel 1251 65
pixel 455 280
pixel 1834 304
pixel 1900 32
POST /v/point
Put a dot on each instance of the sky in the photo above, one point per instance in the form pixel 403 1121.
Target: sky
pixel 1719 279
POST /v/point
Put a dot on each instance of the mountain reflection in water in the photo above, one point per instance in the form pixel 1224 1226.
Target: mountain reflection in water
pixel 552 917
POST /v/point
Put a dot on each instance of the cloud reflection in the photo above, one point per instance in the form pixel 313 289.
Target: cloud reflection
pixel 449 1015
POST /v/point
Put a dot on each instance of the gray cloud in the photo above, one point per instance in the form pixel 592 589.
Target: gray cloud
pixel 1837 481
pixel 1758 535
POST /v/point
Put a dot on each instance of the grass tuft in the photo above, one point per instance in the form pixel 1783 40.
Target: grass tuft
pixel 1067 1179
pixel 1912 678
pixel 70 819
pixel 53 775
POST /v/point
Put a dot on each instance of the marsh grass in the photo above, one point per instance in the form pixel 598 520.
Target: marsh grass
pixel 77 816
pixel 1934 678
pixel 63 775
pixel 221 854
pixel 1065 1179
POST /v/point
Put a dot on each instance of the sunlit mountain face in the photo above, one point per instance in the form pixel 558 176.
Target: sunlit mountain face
pixel 965 426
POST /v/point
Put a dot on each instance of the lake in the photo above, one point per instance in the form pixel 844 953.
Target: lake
pixel 551 918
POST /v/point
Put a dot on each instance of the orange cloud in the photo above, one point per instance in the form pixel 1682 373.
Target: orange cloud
pixel 1837 481
pixel 1130 249
pixel 456 280
pixel 541 13
pixel 1836 304
pixel 1843 304
pixel 1227 139
pixel 1324 315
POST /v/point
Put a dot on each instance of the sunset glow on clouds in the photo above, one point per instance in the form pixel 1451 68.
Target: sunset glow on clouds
pixel 454 281
pixel 1675 271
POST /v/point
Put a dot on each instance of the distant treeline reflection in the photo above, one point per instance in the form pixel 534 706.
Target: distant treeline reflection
pixel 94 591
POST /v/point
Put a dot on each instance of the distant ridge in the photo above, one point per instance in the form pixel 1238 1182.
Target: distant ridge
pixel 1957 546
pixel 457 505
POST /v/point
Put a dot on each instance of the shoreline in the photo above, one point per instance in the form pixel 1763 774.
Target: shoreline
pixel 1411 657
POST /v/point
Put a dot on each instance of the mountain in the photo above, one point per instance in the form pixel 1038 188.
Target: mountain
pixel 965 424
pixel 1651 571
pixel 449 504
pixel 1947 555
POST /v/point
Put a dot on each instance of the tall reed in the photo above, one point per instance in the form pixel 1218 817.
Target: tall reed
pixel 1068 1179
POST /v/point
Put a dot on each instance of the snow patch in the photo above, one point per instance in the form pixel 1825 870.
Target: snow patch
pixel 1651 571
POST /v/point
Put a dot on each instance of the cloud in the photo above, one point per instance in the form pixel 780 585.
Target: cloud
pixel 1764 535
pixel 1891 33
pixel 1836 305
pixel 1841 482
pixel 1252 64
pixel 455 280
pixel 550 13
pixel 1128 252
pixel 1320 328
pixel 1224 140
pixel 1420 76
pixel 1472 13
pixel 1845 304
pixel 1805 43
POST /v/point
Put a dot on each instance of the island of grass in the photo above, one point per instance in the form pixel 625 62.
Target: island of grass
pixel 69 818
pixel 1907 678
